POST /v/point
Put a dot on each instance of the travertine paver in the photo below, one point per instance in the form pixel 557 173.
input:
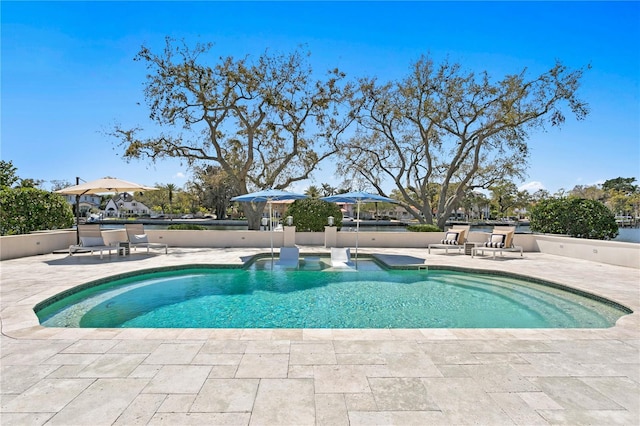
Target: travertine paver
pixel 177 403
pixel 312 353
pixel 226 395
pixel 331 409
pixel 141 410
pixel 47 396
pixel 294 399
pixel 101 403
pixel 263 365
pixel 113 365
pixel 174 353
pixel 517 409
pixel 367 418
pixel 178 379
pixel 314 376
pixel 401 394
pixel 464 401
pixel 15 379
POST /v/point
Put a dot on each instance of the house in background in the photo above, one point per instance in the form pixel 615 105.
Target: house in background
pixel 88 203
pixel 124 205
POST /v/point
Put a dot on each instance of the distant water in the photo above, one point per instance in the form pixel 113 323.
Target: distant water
pixel 629 235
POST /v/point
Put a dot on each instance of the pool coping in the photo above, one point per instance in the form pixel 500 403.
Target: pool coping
pixel 370 257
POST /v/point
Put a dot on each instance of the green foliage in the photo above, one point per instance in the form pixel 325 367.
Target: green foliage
pixel 8 175
pixel 24 210
pixel 576 217
pixel 310 214
pixel 213 188
pixel 186 227
pixel 620 184
pixel 423 228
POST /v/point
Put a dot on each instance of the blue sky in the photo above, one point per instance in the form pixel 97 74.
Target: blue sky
pixel 68 72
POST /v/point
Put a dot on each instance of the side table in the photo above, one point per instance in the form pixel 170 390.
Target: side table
pixel 468 248
pixel 124 247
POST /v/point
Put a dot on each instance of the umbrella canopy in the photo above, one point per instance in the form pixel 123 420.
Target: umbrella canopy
pixel 100 186
pixel 269 196
pixel 357 198
pixel 103 186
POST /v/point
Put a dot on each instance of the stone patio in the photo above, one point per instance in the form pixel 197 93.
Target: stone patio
pixel 59 376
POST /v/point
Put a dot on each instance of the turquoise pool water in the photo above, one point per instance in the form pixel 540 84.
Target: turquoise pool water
pixel 371 297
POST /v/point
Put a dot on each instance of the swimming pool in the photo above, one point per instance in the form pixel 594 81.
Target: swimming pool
pixel 372 297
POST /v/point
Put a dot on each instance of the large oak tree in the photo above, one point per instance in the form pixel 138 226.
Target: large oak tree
pixel 266 122
pixel 456 131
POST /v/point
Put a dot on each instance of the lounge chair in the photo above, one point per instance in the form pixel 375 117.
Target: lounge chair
pixel 500 240
pixel 289 257
pixel 91 241
pixel 138 238
pixel 453 238
pixel 341 257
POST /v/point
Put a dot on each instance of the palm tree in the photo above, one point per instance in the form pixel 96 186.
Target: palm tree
pixel 312 192
pixel 328 190
pixel 170 187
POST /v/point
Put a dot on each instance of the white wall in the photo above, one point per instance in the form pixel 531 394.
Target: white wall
pixel 14 246
pixel 615 253
pixel 611 252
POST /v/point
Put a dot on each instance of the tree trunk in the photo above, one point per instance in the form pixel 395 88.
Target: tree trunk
pixel 221 211
pixel 253 212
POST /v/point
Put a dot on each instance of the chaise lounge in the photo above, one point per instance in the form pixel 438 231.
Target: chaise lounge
pixel 500 240
pixel 289 257
pixel 341 257
pixel 453 238
pixel 138 238
pixel 91 241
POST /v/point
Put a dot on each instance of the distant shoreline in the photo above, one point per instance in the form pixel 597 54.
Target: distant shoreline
pixel 626 234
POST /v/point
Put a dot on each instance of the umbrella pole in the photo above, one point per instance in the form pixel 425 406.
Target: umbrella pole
pixel 77 213
pixel 271 233
pixel 77 219
pixel 357 232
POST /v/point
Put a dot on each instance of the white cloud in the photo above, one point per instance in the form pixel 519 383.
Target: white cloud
pixel 179 175
pixel 531 186
pixel 299 187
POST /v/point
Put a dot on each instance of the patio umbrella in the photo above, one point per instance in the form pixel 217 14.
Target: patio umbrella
pixel 269 196
pixel 100 186
pixel 357 198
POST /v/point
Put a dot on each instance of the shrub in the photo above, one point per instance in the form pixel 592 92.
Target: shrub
pixel 24 210
pixel 186 227
pixel 423 228
pixel 576 217
pixel 310 214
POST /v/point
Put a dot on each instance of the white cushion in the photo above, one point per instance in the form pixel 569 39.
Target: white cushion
pixel 91 241
pixel 496 241
pixel 450 238
pixel 142 238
